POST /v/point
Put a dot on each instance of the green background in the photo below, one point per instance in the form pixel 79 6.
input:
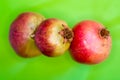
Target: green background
pixel 13 67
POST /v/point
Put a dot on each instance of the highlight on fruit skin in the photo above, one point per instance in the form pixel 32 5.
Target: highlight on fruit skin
pixel 22 32
pixel 91 43
pixel 53 37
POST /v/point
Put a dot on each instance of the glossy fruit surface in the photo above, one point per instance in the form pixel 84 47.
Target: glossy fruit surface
pixel 21 34
pixel 53 37
pixel 91 43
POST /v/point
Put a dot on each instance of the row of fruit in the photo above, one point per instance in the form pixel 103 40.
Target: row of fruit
pixel 31 34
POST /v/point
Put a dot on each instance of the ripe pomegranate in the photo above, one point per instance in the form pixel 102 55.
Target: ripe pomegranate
pixel 91 43
pixel 22 32
pixel 53 37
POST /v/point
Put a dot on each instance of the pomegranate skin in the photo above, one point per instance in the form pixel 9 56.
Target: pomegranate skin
pixel 53 37
pixel 21 34
pixel 91 43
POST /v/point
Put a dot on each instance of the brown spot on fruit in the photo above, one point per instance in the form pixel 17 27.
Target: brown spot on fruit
pixel 104 33
pixel 67 34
